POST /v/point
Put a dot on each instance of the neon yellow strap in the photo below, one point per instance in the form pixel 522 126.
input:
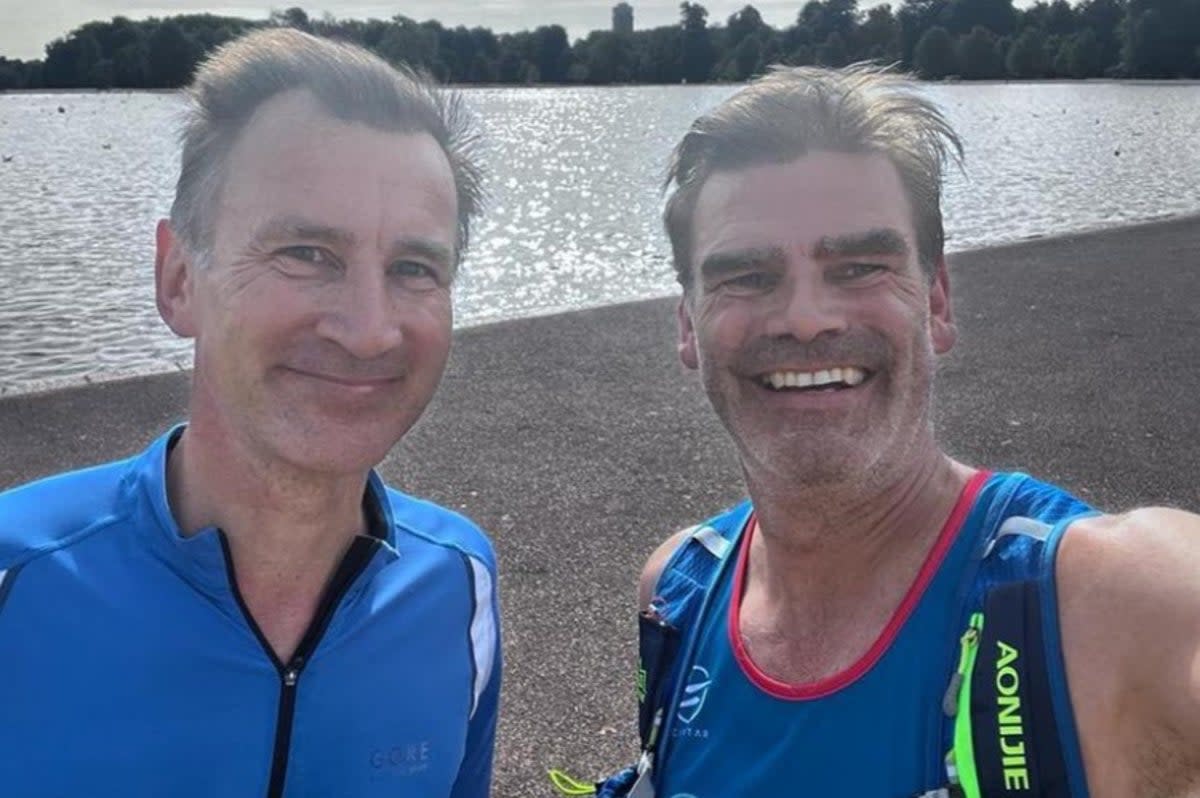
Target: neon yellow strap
pixel 569 786
pixel 960 761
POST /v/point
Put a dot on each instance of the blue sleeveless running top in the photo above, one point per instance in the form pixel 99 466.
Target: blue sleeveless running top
pixel 874 730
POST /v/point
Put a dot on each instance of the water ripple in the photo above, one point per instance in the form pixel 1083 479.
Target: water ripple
pixel 573 221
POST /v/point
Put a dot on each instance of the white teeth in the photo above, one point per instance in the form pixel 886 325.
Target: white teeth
pixel 841 375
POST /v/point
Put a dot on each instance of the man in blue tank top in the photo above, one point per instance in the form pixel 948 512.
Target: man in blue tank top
pixel 807 236
pixel 245 609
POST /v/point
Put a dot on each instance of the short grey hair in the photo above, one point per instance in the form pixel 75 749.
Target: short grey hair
pixel 347 81
pixel 792 111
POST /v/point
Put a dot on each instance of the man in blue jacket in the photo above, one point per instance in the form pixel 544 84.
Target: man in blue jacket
pixel 244 609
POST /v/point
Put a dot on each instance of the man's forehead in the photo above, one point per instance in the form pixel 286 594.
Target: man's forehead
pixel 295 122
pixel 810 201
pixel 296 158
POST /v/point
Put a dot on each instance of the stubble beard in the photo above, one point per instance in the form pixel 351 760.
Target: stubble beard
pixel 867 454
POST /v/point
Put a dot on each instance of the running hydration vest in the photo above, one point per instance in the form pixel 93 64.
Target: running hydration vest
pixel 964 693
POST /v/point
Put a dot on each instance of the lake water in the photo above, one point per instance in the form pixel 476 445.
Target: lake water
pixel 574 216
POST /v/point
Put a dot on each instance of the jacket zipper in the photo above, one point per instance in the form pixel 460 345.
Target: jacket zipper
pixel 352 564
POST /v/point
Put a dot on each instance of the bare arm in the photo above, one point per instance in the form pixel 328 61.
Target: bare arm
pixel 1129 589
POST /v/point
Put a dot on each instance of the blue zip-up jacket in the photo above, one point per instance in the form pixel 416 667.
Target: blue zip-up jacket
pixel 129 666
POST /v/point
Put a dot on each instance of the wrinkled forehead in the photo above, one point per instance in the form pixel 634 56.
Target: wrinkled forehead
pixel 296 161
pixel 801 204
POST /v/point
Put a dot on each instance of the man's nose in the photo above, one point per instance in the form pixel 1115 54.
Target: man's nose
pixel 805 307
pixel 364 319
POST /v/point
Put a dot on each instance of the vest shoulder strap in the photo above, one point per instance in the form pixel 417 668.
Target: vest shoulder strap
pixel 1006 731
pixel 1015 736
pixel 680 596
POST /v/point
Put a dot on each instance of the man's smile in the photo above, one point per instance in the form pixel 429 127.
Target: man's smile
pixel 826 378
pixel 355 384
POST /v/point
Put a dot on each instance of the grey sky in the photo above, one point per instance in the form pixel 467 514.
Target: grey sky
pixel 27 26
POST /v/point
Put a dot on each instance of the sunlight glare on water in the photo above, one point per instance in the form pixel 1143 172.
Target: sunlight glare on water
pixel 573 219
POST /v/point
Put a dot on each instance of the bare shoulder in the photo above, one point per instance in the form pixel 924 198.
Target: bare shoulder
pixel 654 566
pixel 1135 574
pixel 1129 603
pixel 1149 556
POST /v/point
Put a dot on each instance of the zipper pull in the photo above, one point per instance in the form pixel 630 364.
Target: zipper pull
pixel 966 658
pixel 292 674
pixel 655 728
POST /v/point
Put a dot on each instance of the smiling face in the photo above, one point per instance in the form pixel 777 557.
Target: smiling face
pixel 810 319
pixel 323 321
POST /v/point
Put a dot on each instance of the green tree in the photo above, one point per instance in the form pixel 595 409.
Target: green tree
pixel 131 65
pixel 294 17
pixel 510 66
pixel 698 55
pixel 1080 56
pixel 915 17
pixel 70 61
pixel 745 61
pixel 879 35
pixel 743 24
pixel 608 57
pixel 407 42
pixel 1027 57
pixel 552 53
pixel 101 75
pixel 833 52
pixel 934 55
pixel 1061 19
pixel 659 55
pixel 977 55
pixel 12 74
pixel 516 57
pixel 171 56
pixel 1161 37
pixel 962 16
pixel 823 18
pixel 1148 47
pixel 1152 38
pixel 208 31
pixel 1104 19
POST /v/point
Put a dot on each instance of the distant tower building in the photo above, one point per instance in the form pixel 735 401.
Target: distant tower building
pixel 622 18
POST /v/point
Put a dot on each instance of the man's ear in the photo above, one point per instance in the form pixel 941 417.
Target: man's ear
pixel 174 281
pixel 687 334
pixel 942 330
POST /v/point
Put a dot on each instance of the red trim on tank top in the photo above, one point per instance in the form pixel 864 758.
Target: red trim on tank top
pixel 831 684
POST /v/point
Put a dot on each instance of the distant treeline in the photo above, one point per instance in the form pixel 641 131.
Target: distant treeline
pixel 968 39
